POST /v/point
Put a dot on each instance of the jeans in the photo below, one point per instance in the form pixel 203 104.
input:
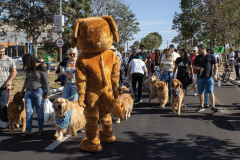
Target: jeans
pixel 206 96
pixel 69 90
pixel 33 98
pixel 3 105
pixel 126 71
pixel 137 77
pixel 157 72
pixel 166 77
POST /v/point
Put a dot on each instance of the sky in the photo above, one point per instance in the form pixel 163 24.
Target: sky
pixel 155 16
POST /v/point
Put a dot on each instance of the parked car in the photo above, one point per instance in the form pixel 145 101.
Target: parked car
pixel 19 59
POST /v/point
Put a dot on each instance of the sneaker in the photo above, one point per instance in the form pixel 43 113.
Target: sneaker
pixel 140 100
pixel 126 78
pixel 195 93
pixel 136 101
pixel 214 110
pixel 184 106
pixel 4 125
pixel 200 109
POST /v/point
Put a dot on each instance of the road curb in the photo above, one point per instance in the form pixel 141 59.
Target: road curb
pixel 231 80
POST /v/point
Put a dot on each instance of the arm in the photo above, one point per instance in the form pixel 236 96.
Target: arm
pixel 174 70
pixel 215 72
pixel 81 77
pixel 13 75
pixel 191 69
pixel 115 76
pixel 23 88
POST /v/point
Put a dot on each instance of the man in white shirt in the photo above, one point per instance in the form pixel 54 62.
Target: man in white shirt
pixel 231 58
pixel 175 55
pixel 137 69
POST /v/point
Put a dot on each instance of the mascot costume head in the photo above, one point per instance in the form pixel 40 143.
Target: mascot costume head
pixel 97 68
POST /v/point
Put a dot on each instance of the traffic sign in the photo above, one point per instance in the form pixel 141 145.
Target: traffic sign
pixel 30 41
pixel 59 42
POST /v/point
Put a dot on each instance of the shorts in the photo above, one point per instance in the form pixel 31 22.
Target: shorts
pixel 48 66
pixel 205 82
pixel 195 78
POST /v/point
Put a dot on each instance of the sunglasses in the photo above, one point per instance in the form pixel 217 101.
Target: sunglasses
pixel 72 54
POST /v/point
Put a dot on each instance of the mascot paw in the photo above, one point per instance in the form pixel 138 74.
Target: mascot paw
pixel 86 146
pixel 106 139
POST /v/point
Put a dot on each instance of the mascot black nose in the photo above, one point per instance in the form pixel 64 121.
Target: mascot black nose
pixel 59 106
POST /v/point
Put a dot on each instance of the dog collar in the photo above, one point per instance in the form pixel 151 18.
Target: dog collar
pixel 64 122
pixel 176 93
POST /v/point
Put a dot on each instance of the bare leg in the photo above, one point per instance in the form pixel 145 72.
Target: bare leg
pixel 212 99
pixel 201 98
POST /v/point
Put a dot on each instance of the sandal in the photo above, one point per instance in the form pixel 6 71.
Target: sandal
pixel 40 133
pixel 26 134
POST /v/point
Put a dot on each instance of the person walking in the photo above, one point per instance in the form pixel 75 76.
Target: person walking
pixel 237 60
pixel 125 64
pixel 48 62
pixel 70 89
pixel 37 87
pixel 167 65
pixel 205 63
pixel 137 69
pixel 143 54
pixel 192 58
pixel 7 73
pixel 152 61
pixel 231 59
pixel 183 64
pixel 132 56
pixel 148 63
pixel 156 64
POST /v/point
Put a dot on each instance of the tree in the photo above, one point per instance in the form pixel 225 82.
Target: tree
pixel 152 40
pixel 135 45
pixel 32 16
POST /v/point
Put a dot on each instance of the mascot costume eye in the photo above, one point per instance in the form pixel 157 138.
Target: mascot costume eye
pixel 97 68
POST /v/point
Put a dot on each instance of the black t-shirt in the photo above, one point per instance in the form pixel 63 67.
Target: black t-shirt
pixel 182 66
pixel 144 55
pixel 205 62
pixel 132 57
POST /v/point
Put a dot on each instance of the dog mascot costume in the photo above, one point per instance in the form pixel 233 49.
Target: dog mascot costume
pixel 97 68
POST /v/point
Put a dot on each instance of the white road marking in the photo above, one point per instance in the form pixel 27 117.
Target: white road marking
pixel 55 144
pixel 226 111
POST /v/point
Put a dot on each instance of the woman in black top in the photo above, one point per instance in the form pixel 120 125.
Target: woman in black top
pixel 157 64
pixel 183 64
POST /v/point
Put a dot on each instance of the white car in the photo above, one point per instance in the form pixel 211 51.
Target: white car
pixel 17 59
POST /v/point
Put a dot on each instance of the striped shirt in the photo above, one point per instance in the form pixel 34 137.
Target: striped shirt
pixel 6 67
pixel 168 64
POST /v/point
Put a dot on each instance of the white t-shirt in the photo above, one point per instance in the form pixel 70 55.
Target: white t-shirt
pixel 175 55
pixel 6 67
pixel 137 66
pixel 216 56
pixel 231 55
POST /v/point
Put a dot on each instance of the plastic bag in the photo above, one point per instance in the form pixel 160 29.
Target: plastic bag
pixel 48 110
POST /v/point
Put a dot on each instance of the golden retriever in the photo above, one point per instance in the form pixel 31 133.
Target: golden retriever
pixel 122 90
pixel 77 121
pixel 177 96
pixel 126 102
pixel 162 93
pixel 16 112
pixel 151 82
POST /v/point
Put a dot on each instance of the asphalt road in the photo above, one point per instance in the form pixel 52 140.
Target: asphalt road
pixel 150 133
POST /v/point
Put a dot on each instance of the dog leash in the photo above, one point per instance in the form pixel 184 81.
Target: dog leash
pixel 201 70
pixel 72 96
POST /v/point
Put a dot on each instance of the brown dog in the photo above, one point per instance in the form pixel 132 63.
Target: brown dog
pixel 16 112
pixel 122 90
pixel 151 82
pixel 177 96
pixel 162 93
pixel 126 102
pixel 76 122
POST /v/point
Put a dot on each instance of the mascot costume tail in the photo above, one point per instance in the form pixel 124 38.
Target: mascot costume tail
pixel 97 68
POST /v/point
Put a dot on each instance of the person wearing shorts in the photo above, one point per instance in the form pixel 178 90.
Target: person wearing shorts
pixel 192 57
pixel 205 62
pixel 48 62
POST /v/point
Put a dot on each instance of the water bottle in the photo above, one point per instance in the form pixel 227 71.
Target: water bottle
pixel 219 83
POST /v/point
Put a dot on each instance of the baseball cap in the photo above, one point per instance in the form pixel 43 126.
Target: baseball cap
pixel 139 57
pixel 194 48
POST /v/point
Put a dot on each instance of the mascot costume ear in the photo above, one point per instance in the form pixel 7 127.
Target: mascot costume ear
pixel 111 24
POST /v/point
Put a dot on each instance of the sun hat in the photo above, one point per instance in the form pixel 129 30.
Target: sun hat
pixel 112 47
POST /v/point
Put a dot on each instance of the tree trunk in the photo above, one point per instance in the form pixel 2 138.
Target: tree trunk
pixel 35 50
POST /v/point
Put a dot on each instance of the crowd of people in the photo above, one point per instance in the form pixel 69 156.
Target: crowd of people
pixel 199 63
